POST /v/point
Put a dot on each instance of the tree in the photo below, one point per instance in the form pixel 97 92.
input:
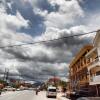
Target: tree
pixel 63 84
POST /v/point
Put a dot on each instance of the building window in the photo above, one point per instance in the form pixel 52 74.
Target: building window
pixel 88 60
pixel 97 73
pixel 91 59
pixel 91 79
pixel 78 65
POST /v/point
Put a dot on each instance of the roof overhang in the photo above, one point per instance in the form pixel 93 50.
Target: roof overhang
pixel 90 52
pixel 96 37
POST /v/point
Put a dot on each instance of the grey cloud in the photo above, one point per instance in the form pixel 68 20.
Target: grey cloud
pixel 41 61
pixel 39 70
pixel 45 5
pixel 24 54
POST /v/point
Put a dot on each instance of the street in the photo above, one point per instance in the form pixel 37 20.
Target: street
pixel 49 48
pixel 25 95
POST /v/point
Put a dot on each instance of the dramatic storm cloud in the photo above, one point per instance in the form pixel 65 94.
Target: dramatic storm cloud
pixel 27 21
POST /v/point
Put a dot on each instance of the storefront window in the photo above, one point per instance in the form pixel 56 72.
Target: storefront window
pixel 97 73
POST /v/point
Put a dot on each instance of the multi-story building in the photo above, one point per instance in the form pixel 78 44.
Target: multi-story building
pixel 78 70
pixel 94 66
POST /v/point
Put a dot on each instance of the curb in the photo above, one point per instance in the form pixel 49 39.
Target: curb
pixel 62 98
pixel 58 98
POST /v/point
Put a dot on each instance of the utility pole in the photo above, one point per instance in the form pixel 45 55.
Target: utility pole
pixel 54 80
pixel 6 74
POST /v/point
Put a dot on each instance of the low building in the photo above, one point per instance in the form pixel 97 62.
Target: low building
pixel 78 75
pixel 94 66
pixel 1 85
pixel 54 81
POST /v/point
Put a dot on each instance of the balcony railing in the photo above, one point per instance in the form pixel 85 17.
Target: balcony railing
pixel 95 61
pixel 95 80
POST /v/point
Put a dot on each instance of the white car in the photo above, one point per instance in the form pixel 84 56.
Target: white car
pixel 9 88
pixel 51 92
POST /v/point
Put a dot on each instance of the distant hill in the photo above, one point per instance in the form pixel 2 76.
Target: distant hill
pixel 36 84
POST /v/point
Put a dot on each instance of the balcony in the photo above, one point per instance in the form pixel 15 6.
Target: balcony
pixel 94 59
pixel 95 80
pixel 94 63
pixel 84 81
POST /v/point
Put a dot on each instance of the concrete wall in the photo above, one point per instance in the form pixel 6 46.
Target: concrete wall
pixel 97 43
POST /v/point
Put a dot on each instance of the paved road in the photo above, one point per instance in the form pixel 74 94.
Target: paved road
pixel 24 95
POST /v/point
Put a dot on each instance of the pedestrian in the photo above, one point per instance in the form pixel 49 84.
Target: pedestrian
pixel 0 91
pixel 37 91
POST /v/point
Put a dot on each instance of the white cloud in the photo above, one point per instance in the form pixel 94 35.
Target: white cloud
pixel 54 33
pixel 93 22
pixel 68 13
pixel 32 60
pixel 12 22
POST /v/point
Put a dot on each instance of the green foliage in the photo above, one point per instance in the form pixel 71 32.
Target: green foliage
pixel 15 86
pixel 63 84
pixel 2 82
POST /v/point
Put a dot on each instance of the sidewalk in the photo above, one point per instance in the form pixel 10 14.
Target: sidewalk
pixel 61 97
pixel 7 92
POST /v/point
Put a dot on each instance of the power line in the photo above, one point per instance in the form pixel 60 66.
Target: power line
pixel 32 43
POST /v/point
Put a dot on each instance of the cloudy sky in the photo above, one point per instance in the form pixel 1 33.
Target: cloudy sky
pixel 26 21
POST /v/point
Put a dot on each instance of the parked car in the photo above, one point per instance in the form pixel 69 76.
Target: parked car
pixel 17 89
pixel 58 90
pixel 51 92
pixel 79 93
pixel 83 93
pixel 89 98
pixel 69 94
pixel 9 88
pixel 83 98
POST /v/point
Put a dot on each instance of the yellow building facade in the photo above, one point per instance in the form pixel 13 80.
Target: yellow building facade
pixel 78 74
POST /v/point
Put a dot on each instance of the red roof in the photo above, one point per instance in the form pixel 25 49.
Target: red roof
pixel 54 79
pixel 1 85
